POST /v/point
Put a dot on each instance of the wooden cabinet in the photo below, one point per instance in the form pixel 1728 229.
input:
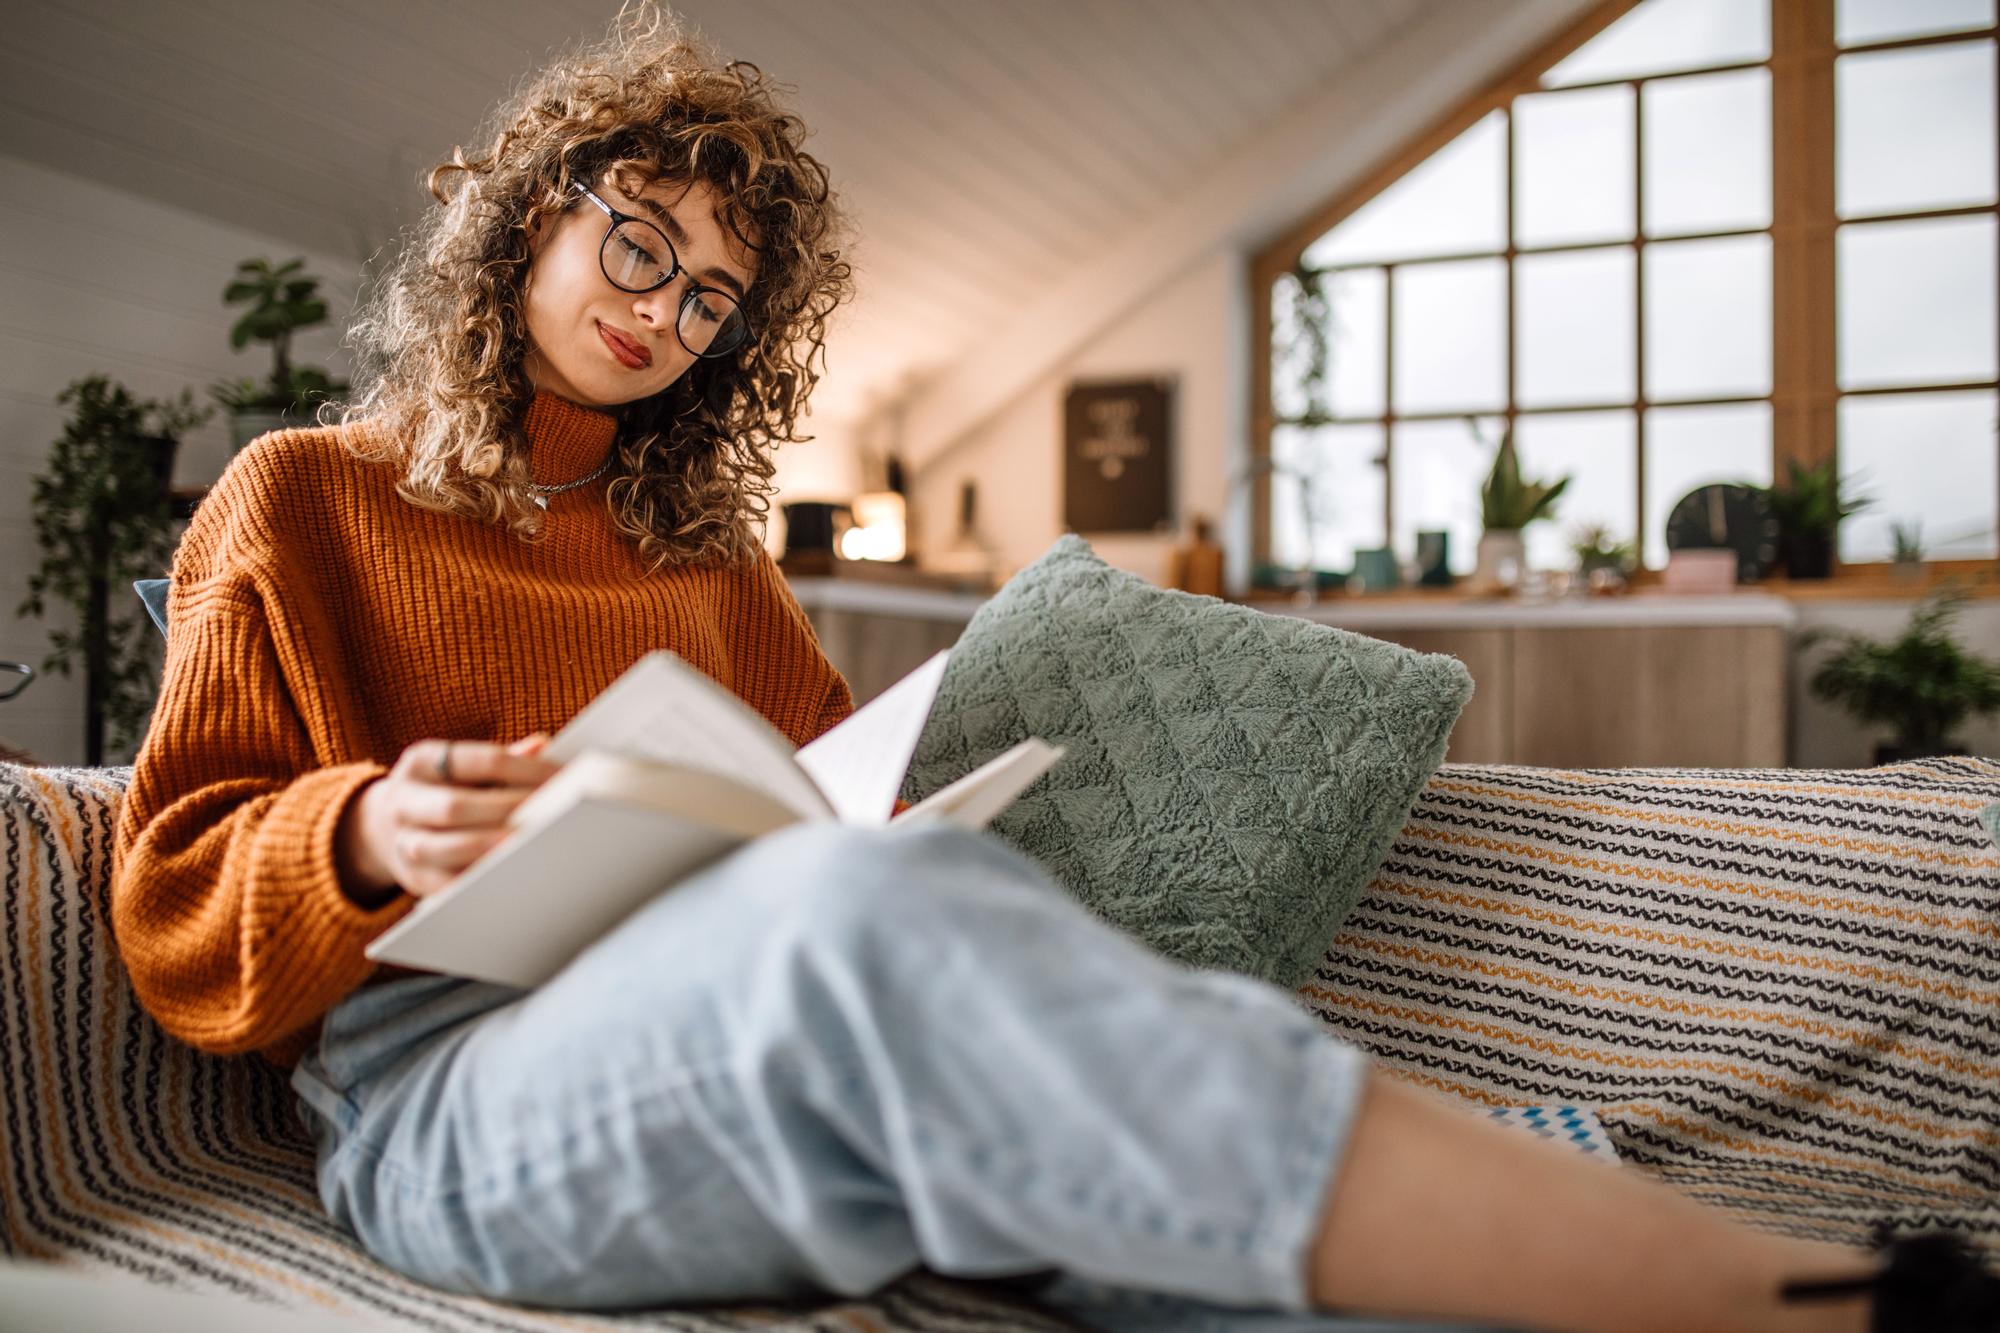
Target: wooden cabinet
pixel 1632 682
pixel 1618 697
pixel 873 650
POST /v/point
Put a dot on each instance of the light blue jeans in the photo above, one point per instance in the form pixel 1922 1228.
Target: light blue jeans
pixel 828 1059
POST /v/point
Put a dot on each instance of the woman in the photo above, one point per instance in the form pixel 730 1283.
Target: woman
pixel 835 1055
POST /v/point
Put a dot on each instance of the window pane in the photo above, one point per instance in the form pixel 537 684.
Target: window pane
pixel 1575 329
pixel 1915 129
pixel 1573 167
pixel 1916 302
pixel 1661 36
pixel 1596 451
pixel 1708 318
pixel 1688 447
pixel 1925 457
pixel 1857 21
pixel 1358 342
pixel 1453 202
pixel 1708 153
pixel 1346 478
pixel 1451 326
pixel 1439 467
pixel 1359 300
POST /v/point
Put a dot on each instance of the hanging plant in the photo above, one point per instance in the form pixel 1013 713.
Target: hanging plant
pixel 1312 318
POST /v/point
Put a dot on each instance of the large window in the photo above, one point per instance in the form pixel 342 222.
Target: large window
pixel 1608 255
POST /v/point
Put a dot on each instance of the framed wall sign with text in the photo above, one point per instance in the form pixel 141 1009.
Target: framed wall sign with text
pixel 1118 456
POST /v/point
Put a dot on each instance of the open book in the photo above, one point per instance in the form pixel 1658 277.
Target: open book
pixel 661 774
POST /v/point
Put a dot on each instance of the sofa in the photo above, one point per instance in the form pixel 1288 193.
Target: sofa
pixel 1778 991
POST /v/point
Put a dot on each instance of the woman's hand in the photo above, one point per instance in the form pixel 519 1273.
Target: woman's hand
pixel 422 823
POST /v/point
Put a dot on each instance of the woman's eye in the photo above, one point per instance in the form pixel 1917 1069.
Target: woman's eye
pixel 638 250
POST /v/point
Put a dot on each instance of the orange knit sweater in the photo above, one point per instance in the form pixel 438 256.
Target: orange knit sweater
pixel 319 624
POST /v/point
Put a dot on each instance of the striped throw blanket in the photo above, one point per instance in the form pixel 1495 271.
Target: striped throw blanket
pixel 1778 990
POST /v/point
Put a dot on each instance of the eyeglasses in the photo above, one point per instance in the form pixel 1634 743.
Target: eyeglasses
pixel 709 322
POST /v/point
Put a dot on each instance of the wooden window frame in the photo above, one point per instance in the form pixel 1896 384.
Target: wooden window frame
pixel 1805 392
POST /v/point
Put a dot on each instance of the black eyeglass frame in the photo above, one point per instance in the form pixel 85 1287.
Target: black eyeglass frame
pixel 674 270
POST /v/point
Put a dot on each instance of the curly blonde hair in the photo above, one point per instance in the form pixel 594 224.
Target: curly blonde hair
pixel 441 339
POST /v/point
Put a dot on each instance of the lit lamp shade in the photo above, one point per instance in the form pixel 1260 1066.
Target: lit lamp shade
pixel 877 532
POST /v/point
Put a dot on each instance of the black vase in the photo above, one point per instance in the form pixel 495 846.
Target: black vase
pixel 1808 555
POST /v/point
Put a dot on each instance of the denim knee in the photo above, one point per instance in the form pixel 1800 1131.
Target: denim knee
pixel 838 885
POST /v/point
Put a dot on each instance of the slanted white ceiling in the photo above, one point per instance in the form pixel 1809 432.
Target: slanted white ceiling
pixel 987 150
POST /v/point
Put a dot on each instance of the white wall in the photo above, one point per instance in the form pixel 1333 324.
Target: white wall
pixel 93 280
pixel 1186 331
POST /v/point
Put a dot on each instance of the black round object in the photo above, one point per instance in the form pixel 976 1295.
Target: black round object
pixel 1729 516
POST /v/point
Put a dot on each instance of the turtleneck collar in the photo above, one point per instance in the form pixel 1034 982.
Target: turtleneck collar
pixel 565 439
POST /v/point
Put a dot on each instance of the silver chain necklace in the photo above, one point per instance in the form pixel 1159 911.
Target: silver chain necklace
pixel 542 493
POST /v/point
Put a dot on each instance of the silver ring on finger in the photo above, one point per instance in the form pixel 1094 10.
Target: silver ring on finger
pixel 444 763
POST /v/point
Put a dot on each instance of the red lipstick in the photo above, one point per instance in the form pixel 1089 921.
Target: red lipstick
pixel 632 355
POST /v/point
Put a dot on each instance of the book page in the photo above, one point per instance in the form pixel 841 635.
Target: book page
pixel 521 912
pixel 713 800
pixel 664 710
pixel 859 765
pixel 973 800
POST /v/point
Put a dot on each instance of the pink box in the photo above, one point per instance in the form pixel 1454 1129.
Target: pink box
pixel 1702 570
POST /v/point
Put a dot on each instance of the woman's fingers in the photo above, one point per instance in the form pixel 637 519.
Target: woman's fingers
pixel 485 764
pixel 431 806
pixel 445 805
pixel 477 763
pixel 446 849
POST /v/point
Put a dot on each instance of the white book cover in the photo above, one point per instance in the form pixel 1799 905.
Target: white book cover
pixel 662 773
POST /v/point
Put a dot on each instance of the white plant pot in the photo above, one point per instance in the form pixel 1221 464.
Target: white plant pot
pixel 247 426
pixel 1503 561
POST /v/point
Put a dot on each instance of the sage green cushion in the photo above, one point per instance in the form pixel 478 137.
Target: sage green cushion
pixel 1233 777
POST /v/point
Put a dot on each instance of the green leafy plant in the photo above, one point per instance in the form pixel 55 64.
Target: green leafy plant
pixel 1595 547
pixel 1506 501
pixel 102 519
pixel 1813 499
pixel 1923 682
pixel 282 301
pixel 1909 540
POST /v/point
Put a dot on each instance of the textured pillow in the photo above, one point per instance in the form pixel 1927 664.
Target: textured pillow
pixel 1233 777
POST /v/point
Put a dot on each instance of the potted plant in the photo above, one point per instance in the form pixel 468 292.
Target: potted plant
pixel 1909 541
pixel 1602 560
pixel 1507 504
pixel 1809 506
pixel 282 301
pixel 1922 682
pixel 102 519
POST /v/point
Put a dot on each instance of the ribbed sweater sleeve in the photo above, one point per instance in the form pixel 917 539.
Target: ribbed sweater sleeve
pixel 801 677
pixel 226 895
